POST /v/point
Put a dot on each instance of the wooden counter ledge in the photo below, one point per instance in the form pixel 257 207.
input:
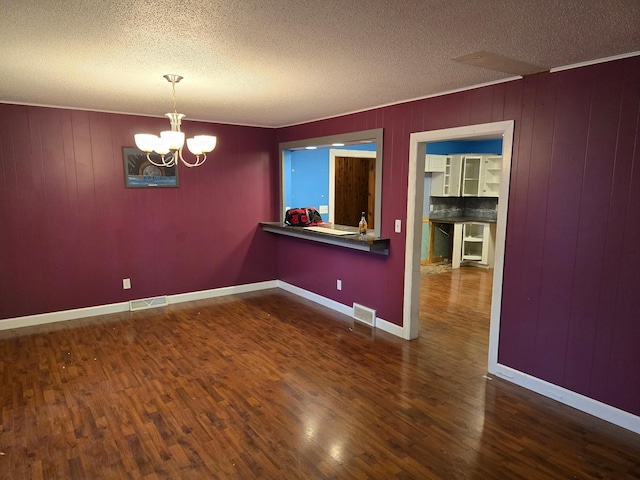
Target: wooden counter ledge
pixel 342 236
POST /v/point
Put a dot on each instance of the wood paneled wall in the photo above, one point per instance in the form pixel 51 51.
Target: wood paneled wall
pixel 70 231
pixel 570 300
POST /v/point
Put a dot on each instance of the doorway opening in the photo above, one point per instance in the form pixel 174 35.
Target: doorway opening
pixel 415 198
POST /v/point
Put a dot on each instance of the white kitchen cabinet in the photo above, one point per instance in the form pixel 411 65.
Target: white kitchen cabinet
pixel 473 244
pixel 491 174
pixel 471 175
pixel 481 175
pixel 435 163
pixel 476 175
pixel 447 183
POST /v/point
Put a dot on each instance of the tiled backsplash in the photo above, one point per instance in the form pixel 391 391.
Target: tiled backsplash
pixel 477 207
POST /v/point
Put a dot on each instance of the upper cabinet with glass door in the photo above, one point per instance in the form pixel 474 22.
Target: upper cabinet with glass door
pixel 471 167
pixel 465 167
pixel 481 175
pixel 465 175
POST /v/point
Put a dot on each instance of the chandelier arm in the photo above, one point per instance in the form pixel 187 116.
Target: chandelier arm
pixel 164 163
pixel 187 163
pixel 197 163
pixel 154 163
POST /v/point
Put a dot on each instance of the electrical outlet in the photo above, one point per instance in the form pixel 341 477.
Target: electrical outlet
pixel 339 284
pixel 324 209
pixel 398 226
pixel 126 283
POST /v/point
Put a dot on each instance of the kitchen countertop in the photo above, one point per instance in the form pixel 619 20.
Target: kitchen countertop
pixel 462 219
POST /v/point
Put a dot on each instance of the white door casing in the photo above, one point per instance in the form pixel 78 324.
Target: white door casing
pixel 415 194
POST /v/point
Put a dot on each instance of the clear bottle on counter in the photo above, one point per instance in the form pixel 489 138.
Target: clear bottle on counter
pixel 362 226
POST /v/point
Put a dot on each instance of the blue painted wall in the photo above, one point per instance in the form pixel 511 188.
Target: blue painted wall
pixel 309 185
pixel 465 146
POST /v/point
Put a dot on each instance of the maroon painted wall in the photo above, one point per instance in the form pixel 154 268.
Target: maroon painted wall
pixel 70 231
pixel 571 298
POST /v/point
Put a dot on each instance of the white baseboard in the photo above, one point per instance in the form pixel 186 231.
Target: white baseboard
pixel 221 292
pixel 389 327
pixel 43 318
pixel 314 297
pixel 380 323
pixel 64 315
pixel 580 402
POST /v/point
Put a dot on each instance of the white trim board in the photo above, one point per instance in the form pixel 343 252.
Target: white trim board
pixel 222 291
pixel 588 405
pixel 380 323
pixel 64 315
pixel 44 318
pixel 409 100
pixel 594 62
pixel 415 197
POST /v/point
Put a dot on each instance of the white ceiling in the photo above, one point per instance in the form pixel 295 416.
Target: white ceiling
pixel 278 62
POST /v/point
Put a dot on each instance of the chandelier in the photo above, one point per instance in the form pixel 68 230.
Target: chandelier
pixel 172 141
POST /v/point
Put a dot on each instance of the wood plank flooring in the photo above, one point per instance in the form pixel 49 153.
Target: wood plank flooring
pixel 266 385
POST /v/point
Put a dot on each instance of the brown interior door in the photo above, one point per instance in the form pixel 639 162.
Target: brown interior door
pixel 354 190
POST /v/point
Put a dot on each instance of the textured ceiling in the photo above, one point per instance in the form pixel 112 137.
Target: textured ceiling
pixel 278 62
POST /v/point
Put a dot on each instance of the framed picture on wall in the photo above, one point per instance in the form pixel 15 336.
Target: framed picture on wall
pixel 139 172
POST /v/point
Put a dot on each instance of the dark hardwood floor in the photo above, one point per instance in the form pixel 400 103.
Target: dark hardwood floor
pixel 266 385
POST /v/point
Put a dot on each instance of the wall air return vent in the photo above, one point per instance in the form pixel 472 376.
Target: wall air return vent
pixel 148 303
pixel 364 314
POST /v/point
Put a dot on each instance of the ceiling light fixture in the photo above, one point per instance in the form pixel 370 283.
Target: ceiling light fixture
pixel 173 140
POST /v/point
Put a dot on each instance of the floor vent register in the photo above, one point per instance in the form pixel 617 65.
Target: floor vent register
pixel 162 301
pixel 364 314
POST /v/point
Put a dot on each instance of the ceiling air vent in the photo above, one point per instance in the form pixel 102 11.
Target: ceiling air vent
pixel 364 314
pixel 148 303
pixel 499 63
